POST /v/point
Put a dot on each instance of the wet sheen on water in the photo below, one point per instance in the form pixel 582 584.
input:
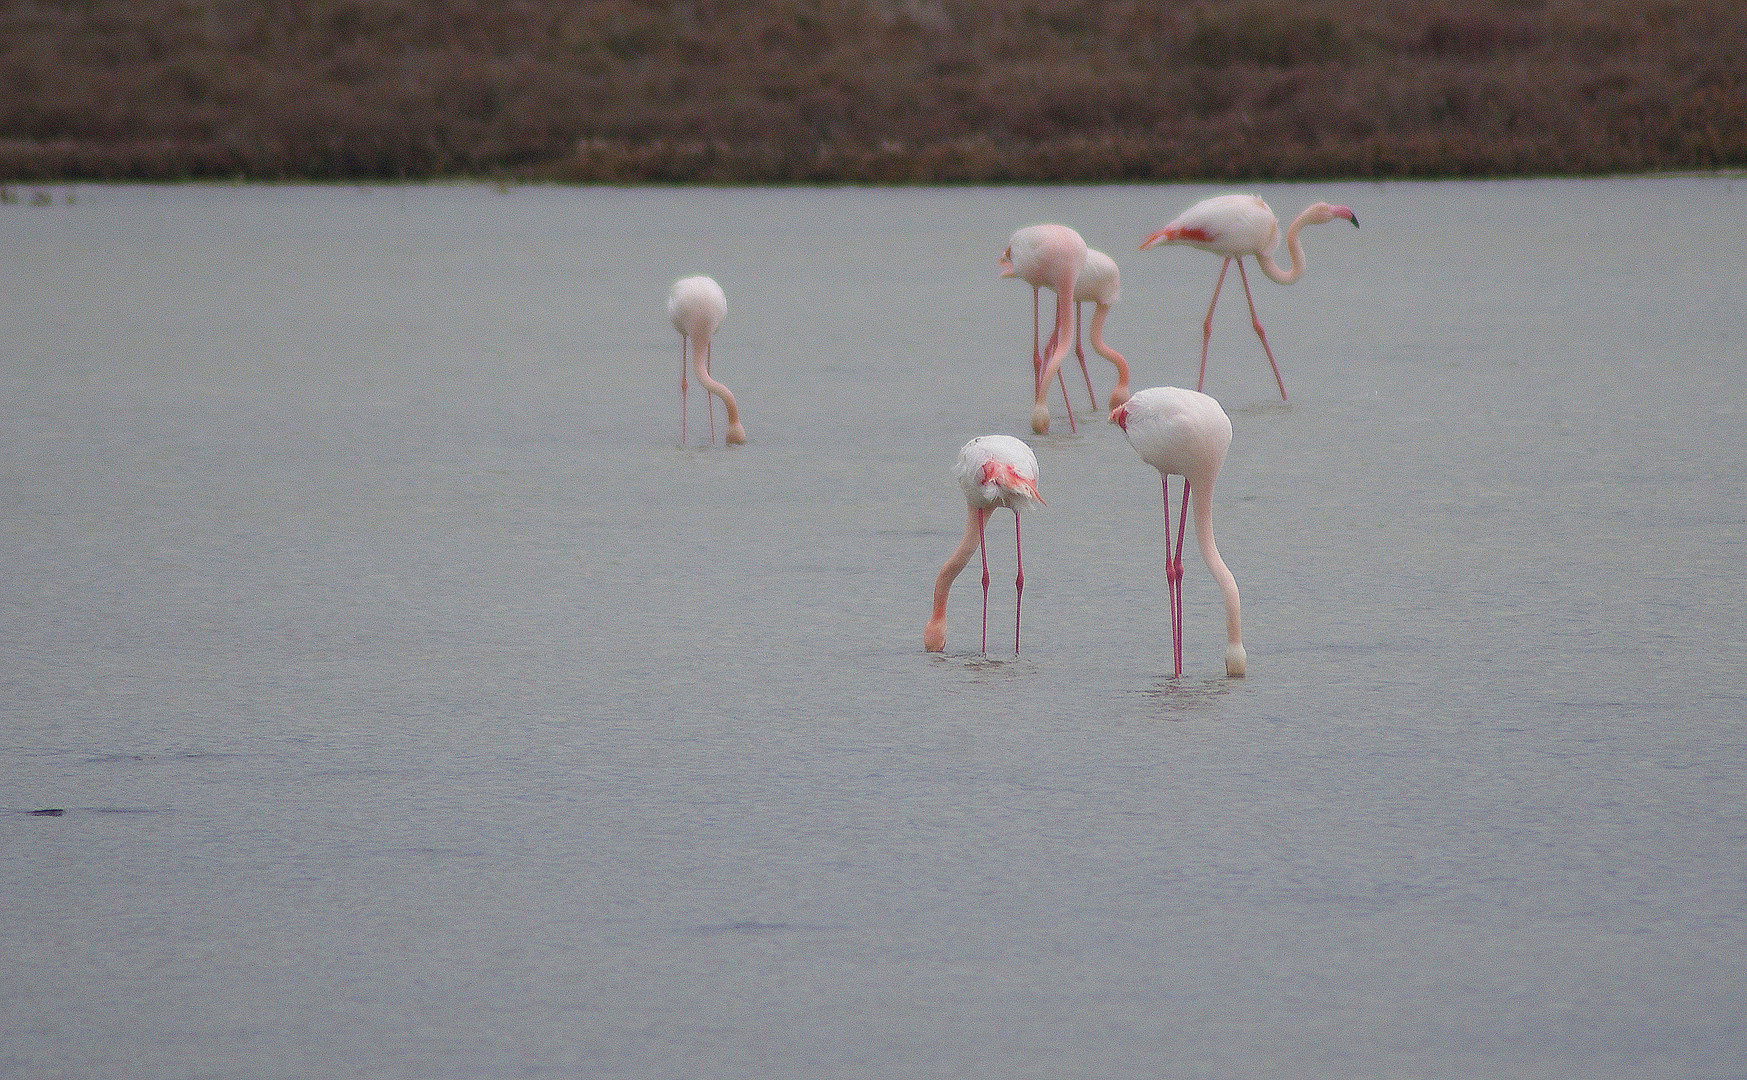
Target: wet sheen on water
pixel 417 705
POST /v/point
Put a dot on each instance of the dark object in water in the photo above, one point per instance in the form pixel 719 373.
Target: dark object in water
pixel 53 812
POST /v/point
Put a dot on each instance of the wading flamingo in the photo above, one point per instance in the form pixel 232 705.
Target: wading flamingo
pixel 1239 225
pixel 1047 257
pixel 994 470
pixel 1101 284
pixel 1186 433
pixel 696 305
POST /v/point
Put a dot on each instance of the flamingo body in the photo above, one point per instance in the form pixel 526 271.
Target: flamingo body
pixel 1099 280
pixel 1100 284
pixel 993 471
pixel 1234 226
pixel 1047 257
pixel 1186 433
pixel 696 306
pixel 1230 225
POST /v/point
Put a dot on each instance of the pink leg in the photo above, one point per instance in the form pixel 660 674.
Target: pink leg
pixel 1257 323
pixel 1207 323
pixel 710 399
pixel 1182 522
pixel 1036 357
pixel 682 389
pixel 1061 376
pixel 1080 352
pixel 983 546
pixel 1018 581
pixel 1174 576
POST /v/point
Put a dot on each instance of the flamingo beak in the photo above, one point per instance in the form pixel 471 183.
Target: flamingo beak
pixel 1005 262
pixel 1341 211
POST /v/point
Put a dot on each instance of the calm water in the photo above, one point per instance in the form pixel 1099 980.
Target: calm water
pixel 420 707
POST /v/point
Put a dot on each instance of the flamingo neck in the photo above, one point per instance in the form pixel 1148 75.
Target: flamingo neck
pixel 1097 335
pixel 1266 261
pixel 1062 342
pixel 701 367
pixel 1201 495
pixel 934 634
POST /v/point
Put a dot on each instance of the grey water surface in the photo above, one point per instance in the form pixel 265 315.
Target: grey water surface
pixel 419 706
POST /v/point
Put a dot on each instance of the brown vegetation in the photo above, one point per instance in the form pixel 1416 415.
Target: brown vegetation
pixel 878 91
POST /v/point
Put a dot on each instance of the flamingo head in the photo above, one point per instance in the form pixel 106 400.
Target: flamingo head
pixel 1322 212
pixel 1006 262
pixel 1119 414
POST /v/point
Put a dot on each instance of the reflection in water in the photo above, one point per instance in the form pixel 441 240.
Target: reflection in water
pixel 1184 699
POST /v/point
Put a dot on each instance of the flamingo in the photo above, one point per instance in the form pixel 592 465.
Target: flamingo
pixel 1101 284
pixel 1239 225
pixel 696 306
pixel 993 470
pixel 1185 432
pixel 1047 256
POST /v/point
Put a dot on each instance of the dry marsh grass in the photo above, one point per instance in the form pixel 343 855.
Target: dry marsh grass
pixel 868 91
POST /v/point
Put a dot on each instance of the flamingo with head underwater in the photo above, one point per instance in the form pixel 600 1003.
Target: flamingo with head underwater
pixel 993 470
pixel 696 307
pixel 1047 257
pixel 1186 433
pixel 1099 283
pixel 1239 225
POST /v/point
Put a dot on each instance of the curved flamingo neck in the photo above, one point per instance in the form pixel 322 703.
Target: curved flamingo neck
pixel 934 634
pixel 1201 496
pixel 1265 259
pixel 1062 340
pixel 701 368
pixel 1096 333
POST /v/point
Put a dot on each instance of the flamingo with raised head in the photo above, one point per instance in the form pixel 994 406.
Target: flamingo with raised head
pixel 1100 284
pixel 696 307
pixel 1186 433
pixel 1047 257
pixel 993 470
pixel 1239 225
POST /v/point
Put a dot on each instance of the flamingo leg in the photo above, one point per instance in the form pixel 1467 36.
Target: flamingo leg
pixel 709 399
pixel 1174 574
pixel 983 547
pixel 1080 352
pixel 1061 376
pixel 1036 357
pixel 1257 323
pixel 1207 323
pixel 1018 581
pixel 682 388
pixel 1182 522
